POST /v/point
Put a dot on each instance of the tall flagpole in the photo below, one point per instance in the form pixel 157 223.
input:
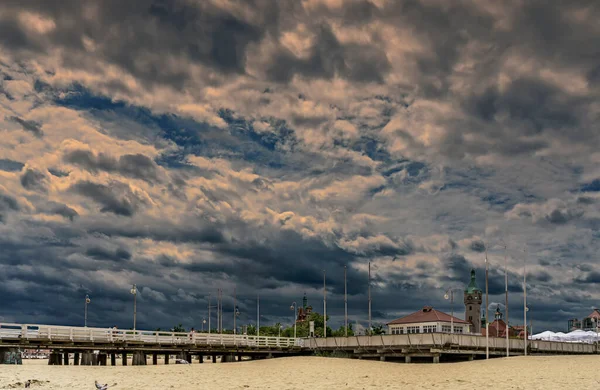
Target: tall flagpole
pixel 506 300
pixel 370 328
pixel 487 305
pixel 324 306
pixel 525 301
pixel 208 313
pixel 257 314
pixel 345 301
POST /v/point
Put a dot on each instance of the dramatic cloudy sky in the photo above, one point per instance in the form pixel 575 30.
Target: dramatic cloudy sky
pixel 191 145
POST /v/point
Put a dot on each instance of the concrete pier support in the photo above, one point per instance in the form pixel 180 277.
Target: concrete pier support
pixel 188 357
pixel 113 359
pixel 76 359
pixel 471 357
pixel 87 359
pixel 229 358
pixel 124 358
pixel 154 358
pixel 436 358
pixel 407 359
pixel 201 358
pixel 102 358
pixel 66 358
pixel 214 358
pixel 239 357
pixel 167 358
pixel 55 359
pixel 139 358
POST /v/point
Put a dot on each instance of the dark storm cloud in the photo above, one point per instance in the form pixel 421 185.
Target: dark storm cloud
pixel 117 198
pixel 478 246
pixel 34 180
pixel 58 209
pixel 136 166
pixel 10 165
pixel 7 204
pixel 126 32
pixel 30 126
pixel 330 58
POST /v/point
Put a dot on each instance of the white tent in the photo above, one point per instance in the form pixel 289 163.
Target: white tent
pixel 576 336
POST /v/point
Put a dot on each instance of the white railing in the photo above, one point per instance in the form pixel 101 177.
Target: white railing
pixel 444 341
pixel 109 335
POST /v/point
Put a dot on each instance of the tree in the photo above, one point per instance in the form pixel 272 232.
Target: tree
pixel 376 330
pixel 179 328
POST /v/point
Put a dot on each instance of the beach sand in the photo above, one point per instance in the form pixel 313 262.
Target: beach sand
pixel 550 372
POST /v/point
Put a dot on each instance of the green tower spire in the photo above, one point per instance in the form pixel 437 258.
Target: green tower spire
pixel 304 301
pixel 472 287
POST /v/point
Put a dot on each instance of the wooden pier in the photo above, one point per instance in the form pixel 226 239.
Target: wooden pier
pixel 436 347
pixel 101 346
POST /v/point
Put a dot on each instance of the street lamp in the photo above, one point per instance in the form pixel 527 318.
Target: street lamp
pixel 450 295
pixel 525 301
pixel 87 301
pixel 506 297
pixel 203 322
pixel 293 307
pixel 134 292
pixel 236 313
pixel 487 318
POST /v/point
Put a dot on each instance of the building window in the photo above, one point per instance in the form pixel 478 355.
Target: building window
pixel 458 329
pixel 413 329
pixel 429 329
pixel 446 328
pixel 470 318
pixel 470 307
pixel 400 330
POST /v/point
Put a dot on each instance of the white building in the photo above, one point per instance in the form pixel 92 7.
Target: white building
pixel 428 320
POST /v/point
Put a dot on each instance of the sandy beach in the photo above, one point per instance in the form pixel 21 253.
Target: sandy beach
pixel 552 372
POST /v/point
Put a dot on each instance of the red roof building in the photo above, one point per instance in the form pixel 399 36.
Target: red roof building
pixel 428 320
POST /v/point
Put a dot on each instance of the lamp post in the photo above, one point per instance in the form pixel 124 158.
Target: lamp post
pixel 87 301
pixel 370 327
pixel 487 318
pixel 257 315
pixel 203 322
pixel 134 292
pixel 279 334
pixel 506 297
pixel 293 307
pixel 324 306
pixel 236 312
pixel 450 295
pixel 345 302
pixel 525 301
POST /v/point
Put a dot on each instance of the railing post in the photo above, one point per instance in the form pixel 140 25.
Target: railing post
pixel 71 334
pixel 91 336
pixel 49 333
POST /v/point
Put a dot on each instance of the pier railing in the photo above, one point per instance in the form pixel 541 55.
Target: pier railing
pixel 34 332
pixel 445 341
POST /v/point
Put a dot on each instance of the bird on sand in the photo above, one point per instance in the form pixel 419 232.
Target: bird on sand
pixel 101 387
pixel 28 384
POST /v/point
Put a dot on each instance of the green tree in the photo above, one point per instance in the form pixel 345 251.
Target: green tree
pixel 178 328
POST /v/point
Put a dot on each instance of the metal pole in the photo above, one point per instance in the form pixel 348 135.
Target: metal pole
pixel 487 319
pixel 345 303
pixel 293 307
pixel 525 301
pixel 134 292
pixel 257 314
pixel 506 300
pixel 370 327
pixel 234 311
pixel 324 306
pixel 208 313
pixel 87 299
pixel 452 315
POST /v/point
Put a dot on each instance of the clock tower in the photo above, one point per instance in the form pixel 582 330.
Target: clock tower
pixel 473 299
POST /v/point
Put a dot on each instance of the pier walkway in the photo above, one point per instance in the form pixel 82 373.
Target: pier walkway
pixel 64 341
pixel 433 346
